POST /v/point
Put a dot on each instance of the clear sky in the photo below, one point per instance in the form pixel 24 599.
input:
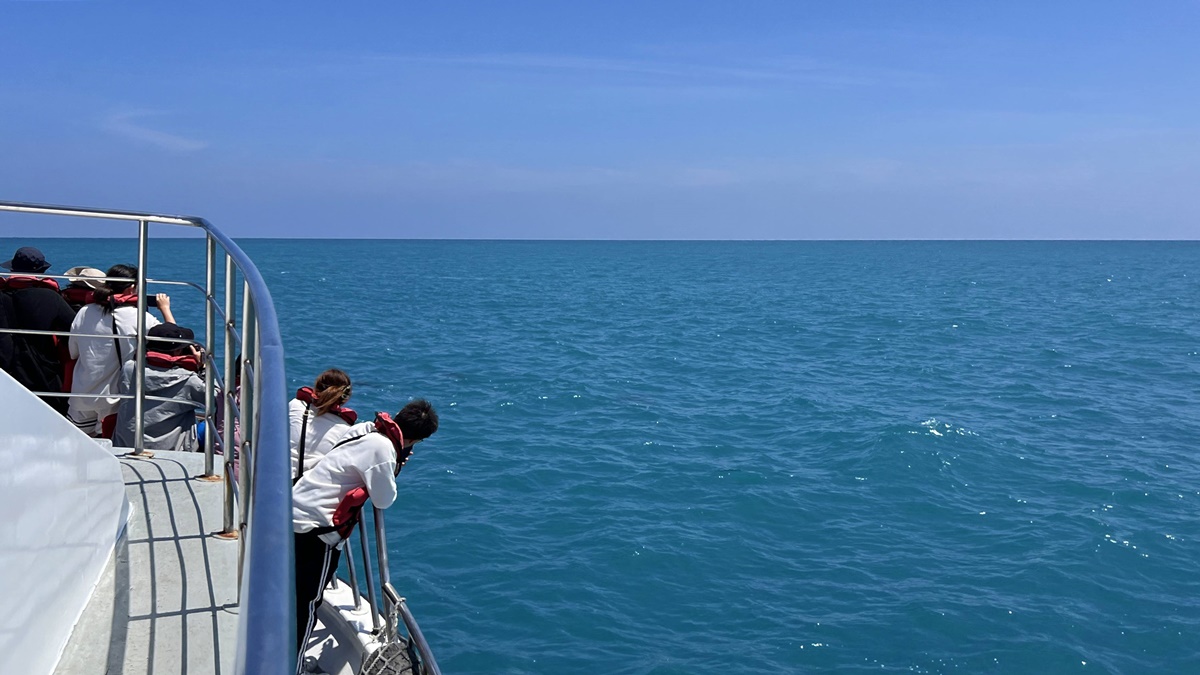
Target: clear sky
pixel 612 120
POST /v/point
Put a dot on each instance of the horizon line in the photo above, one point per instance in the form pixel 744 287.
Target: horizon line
pixel 647 240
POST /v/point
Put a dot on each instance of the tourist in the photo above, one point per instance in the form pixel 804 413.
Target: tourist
pixel 318 417
pixel 327 499
pixel 172 371
pixel 99 359
pixel 85 281
pixel 36 361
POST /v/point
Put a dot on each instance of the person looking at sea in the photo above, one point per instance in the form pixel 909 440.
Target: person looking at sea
pixel 317 417
pixel 172 371
pixel 327 499
pixel 34 303
pixel 99 359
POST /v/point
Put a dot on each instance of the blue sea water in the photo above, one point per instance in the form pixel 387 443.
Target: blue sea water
pixel 770 457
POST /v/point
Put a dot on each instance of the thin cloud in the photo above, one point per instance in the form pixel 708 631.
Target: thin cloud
pixel 128 125
pixel 783 69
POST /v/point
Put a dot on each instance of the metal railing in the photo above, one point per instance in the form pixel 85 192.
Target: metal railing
pixel 259 513
pixel 253 395
pixel 395 608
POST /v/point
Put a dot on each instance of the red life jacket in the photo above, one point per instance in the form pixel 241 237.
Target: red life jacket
pixel 385 425
pixel 19 283
pixel 307 395
pixel 123 300
pixel 186 361
pixel 76 295
pixel 347 513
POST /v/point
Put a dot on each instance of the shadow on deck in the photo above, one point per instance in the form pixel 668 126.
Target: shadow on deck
pixel 167 602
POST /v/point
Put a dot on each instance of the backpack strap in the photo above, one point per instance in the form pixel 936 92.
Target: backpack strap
pixel 303 437
pixel 116 340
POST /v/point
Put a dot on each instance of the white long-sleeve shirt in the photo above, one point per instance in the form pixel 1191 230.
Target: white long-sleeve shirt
pixel 322 432
pixel 368 461
pixel 97 368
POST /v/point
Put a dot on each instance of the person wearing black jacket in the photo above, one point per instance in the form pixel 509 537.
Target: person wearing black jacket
pixel 35 304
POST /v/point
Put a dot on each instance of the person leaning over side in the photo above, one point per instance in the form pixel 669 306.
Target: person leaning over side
pixel 35 304
pixel 99 359
pixel 317 417
pixel 326 500
pixel 172 371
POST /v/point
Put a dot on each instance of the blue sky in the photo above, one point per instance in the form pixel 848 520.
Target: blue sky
pixel 612 120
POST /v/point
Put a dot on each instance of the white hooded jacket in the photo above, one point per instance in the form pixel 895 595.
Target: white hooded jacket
pixel 98 368
pixel 321 433
pixel 366 459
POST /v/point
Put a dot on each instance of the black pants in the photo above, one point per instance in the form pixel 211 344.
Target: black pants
pixel 316 565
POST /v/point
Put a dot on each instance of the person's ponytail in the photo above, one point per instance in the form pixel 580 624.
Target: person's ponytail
pixel 332 389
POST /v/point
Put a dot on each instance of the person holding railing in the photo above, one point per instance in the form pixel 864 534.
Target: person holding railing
pixel 172 371
pixel 99 359
pixel 34 303
pixel 318 416
pixel 327 499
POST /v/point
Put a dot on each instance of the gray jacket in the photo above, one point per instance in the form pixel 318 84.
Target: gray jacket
pixel 169 426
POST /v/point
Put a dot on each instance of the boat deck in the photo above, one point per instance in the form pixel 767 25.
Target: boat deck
pixel 168 601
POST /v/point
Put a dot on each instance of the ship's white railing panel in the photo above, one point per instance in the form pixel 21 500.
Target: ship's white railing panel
pixel 63 502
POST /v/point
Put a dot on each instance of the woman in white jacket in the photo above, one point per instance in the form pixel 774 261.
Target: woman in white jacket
pixel 317 417
pixel 98 360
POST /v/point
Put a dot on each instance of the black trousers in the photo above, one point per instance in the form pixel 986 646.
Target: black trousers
pixel 316 565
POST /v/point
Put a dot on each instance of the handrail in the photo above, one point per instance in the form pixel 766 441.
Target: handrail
pixel 255 395
pixel 266 616
pixel 394 604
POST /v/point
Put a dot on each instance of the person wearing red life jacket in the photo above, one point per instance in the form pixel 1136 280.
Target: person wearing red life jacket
pixel 172 371
pixel 318 416
pixel 84 282
pixel 98 360
pixel 34 303
pixel 81 291
pixel 326 500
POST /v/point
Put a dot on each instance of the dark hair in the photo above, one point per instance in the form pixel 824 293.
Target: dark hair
pixel 417 420
pixel 332 388
pixel 111 288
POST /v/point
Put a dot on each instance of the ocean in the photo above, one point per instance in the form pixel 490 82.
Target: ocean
pixel 769 457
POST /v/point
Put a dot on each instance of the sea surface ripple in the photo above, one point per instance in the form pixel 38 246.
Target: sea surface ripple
pixel 715 457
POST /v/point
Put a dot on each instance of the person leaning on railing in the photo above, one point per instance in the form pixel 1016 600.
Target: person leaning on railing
pixel 327 499
pixel 318 416
pixel 99 359
pixel 172 371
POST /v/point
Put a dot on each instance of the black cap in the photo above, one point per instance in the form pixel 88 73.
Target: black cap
pixel 168 330
pixel 27 259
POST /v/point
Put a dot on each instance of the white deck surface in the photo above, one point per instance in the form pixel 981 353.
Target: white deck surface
pixel 168 601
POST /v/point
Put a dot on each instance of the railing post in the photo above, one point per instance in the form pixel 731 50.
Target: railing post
pixel 139 372
pixel 210 422
pixel 385 575
pixel 367 574
pixel 353 577
pixel 248 417
pixel 229 444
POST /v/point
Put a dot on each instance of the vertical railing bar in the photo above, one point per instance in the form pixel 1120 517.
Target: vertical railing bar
pixel 210 283
pixel 368 574
pixel 353 578
pixel 139 372
pixel 248 419
pixel 229 447
pixel 258 377
pixel 385 576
